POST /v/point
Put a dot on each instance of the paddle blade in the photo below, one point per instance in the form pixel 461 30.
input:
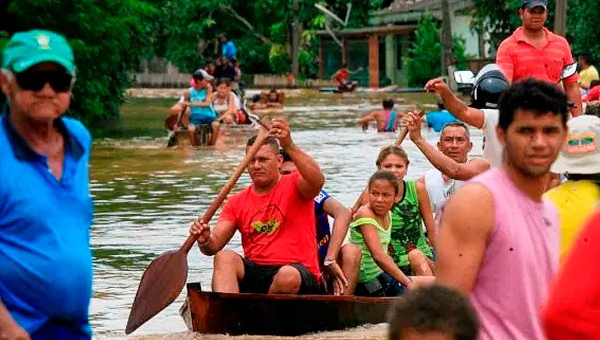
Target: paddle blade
pixel 160 285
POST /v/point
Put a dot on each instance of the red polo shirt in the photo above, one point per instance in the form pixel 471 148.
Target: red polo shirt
pixel 518 59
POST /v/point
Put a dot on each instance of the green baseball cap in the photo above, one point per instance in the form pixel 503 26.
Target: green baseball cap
pixel 27 49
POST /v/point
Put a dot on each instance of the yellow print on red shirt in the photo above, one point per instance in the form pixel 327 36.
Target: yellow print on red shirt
pixel 267 220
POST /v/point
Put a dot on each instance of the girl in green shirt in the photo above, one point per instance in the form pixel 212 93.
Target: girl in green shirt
pixel 371 230
pixel 409 246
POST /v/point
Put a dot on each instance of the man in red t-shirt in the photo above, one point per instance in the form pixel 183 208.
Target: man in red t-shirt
pixel 275 217
pixel 533 51
pixel 342 77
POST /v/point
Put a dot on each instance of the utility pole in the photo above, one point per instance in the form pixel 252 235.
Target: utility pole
pixel 560 17
pixel 295 38
pixel 448 58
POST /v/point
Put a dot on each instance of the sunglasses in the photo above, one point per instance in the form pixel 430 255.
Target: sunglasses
pixel 60 81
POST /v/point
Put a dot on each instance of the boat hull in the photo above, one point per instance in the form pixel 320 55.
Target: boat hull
pixel 281 315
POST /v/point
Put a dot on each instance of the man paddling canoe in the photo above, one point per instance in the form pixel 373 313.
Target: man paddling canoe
pixel 343 276
pixel 498 239
pixel 276 219
pixel 450 160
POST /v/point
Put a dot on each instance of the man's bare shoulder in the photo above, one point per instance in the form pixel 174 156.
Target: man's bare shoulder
pixel 471 194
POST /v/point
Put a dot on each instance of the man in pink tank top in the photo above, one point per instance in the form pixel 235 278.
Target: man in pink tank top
pixel 499 239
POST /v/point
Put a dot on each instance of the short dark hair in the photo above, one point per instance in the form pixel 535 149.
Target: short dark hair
pixel 594 83
pixel 271 141
pixel 433 308
pixel 456 124
pixel 586 57
pixel 285 155
pixel 532 95
pixel 386 176
pixel 593 109
pixel 225 81
pixel 388 103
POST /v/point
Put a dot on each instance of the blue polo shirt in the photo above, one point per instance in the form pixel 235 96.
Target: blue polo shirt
pixel 437 119
pixel 45 256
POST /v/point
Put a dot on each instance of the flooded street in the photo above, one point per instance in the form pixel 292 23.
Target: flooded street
pixel 146 195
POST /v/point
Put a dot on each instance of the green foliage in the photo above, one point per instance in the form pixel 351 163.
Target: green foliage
pixel 108 38
pixel 501 18
pixel 583 27
pixel 426 53
pixel 279 60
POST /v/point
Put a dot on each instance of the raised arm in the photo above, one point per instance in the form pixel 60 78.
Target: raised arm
pixel 312 178
pixel 454 105
pixel 463 235
pixel 445 164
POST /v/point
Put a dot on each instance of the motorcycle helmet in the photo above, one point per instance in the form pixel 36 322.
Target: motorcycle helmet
pixel 489 85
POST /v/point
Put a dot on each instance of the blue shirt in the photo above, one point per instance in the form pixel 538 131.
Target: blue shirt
pixel 437 119
pixel 228 50
pixel 323 229
pixel 197 112
pixel 45 256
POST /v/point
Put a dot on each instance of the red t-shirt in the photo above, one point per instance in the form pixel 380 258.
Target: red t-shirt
pixel 573 310
pixel 592 95
pixel 277 228
pixel 342 75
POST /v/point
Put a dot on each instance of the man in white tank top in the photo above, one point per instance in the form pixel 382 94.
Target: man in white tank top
pixel 450 159
pixel 483 114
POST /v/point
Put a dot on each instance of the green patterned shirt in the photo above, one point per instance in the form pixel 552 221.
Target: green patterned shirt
pixel 407 226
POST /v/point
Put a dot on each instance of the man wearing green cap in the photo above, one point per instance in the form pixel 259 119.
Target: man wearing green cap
pixel 45 204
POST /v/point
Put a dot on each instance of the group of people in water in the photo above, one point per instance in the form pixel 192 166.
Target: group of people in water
pixel 213 101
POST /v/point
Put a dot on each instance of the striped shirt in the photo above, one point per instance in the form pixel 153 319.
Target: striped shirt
pixel 518 59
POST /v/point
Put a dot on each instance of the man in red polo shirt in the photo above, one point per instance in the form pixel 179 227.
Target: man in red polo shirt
pixel 276 219
pixel 534 51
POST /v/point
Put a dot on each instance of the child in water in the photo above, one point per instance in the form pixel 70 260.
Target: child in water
pixel 408 247
pixel 387 119
pixel 371 231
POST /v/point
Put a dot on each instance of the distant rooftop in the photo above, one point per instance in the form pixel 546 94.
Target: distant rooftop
pixel 422 5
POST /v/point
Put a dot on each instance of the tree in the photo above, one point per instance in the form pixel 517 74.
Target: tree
pixel 108 38
pixel 501 18
pixel 426 53
pixel 583 31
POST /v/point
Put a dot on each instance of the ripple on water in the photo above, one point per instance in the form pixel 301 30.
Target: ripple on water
pixel 146 198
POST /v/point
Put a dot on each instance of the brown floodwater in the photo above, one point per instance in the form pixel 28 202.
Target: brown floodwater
pixel 146 195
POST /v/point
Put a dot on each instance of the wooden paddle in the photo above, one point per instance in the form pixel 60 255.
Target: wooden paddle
pixel 401 136
pixel 173 138
pixel 166 275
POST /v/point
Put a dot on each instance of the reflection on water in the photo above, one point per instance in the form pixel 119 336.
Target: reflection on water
pixel 146 195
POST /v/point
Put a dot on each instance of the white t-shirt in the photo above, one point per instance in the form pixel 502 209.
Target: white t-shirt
pixel 492 150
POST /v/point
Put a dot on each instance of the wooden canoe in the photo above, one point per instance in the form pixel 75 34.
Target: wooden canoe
pixel 280 315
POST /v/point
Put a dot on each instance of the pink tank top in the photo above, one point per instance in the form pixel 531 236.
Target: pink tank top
pixel 520 259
